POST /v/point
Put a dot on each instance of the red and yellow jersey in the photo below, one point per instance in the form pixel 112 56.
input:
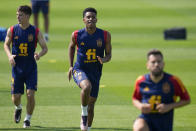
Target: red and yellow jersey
pixel 165 91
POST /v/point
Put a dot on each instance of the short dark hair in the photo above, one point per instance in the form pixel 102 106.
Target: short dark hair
pixel 25 9
pixel 154 52
pixel 89 9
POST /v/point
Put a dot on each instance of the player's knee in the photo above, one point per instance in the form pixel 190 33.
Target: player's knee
pixel 86 88
pixel 30 94
pixel 91 107
pixel 16 99
pixel 140 125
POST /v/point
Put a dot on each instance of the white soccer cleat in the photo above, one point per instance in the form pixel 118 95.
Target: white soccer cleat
pixel 26 124
pixel 84 123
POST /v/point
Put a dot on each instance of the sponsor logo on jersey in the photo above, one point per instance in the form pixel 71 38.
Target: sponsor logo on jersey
pixel 30 37
pixel 99 43
pixel 82 43
pixel 166 88
pixel 146 89
pixel 16 37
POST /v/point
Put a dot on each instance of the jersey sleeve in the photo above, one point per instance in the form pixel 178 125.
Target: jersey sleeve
pixel 136 94
pixel 179 88
pixel 76 37
pixel 105 33
pixel 12 32
pixel 36 36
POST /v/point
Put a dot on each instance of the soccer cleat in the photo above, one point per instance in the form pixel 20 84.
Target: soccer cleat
pixel 84 123
pixel 26 124
pixel 17 115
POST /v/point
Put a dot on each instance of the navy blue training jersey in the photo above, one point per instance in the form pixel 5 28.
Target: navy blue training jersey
pixel 89 46
pixel 165 91
pixel 24 42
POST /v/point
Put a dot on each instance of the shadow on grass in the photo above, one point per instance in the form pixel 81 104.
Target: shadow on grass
pixel 40 128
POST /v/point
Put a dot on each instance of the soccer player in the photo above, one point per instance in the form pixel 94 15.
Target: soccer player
pixel 24 37
pixel 42 5
pixel 93 49
pixel 155 95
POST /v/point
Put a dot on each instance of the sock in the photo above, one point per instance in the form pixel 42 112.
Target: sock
pixel 18 107
pixel 46 34
pixel 89 128
pixel 46 37
pixel 84 110
pixel 28 117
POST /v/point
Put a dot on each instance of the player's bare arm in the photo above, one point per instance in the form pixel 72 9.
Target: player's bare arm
pixel 108 51
pixel 163 108
pixel 43 45
pixel 143 107
pixel 71 49
pixel 7 44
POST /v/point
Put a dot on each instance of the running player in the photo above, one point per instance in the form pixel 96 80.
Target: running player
pixel 93 49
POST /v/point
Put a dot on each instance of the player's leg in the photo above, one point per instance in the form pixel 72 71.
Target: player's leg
pixel 45 11
pixel 29 107
pixel 46 23
pixel 30 101
pixel 31 87
pixel 140 125
pixel 35 16
pixel 83 82
pixel 17 90
pixel 91 106
pixel 35 11
pixel 16 99
pixel 85 86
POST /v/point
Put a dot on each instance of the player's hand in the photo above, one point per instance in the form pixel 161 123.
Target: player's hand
pixel 163 108
pixel 70 73
pixel 146 108
pixel 12 61
pixel 36 56
pixel 100 59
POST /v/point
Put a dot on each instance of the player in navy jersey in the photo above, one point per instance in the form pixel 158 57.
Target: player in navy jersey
pixel 93 49
pixel 22 57
pixel 155 95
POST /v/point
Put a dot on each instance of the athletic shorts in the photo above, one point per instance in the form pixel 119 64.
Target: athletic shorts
pixel 40 5
pixel 23 75
pixel 80 75
pixel 159 122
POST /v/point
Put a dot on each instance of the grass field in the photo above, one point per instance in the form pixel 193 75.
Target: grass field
pixel 136 26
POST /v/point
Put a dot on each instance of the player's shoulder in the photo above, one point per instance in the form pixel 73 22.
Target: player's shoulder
pixel 140 78
pixel 13 26
pixel 173 78
pixel 11 29
pixel 79 31
pixel 102 30
pixel 170 76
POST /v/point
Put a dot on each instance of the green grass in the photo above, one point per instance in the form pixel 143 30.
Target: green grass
pixel 136 26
